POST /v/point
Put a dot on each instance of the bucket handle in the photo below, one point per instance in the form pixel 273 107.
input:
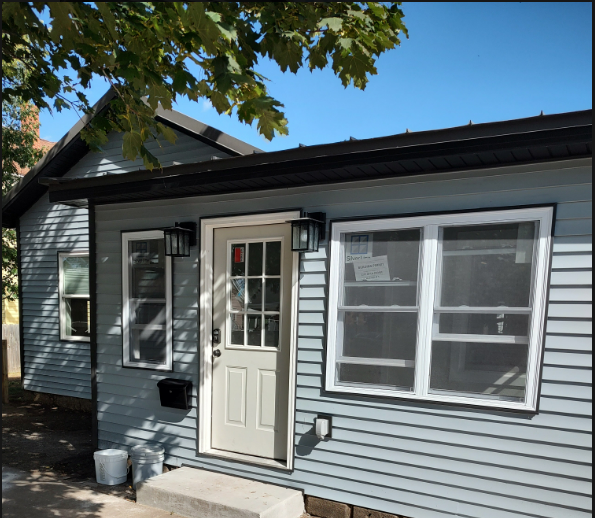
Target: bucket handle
pixel 103 468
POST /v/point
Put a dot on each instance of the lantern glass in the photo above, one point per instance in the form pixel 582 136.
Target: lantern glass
pixel 186 244
pixel 177 241
pixel 167 238
pixel 305 235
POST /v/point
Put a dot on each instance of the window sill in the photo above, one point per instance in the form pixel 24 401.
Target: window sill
pixel 436 399
pixel 147 366
pixel 75 339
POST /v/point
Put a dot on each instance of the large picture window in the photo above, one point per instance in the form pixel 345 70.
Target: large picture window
pixel 147 301
pixel 447 308
pixel 75 325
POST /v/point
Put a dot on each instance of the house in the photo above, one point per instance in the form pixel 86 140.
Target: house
pixel 441 327
pixel 54 243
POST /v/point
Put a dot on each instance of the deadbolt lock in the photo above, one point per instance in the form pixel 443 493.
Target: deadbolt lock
pixel 216 336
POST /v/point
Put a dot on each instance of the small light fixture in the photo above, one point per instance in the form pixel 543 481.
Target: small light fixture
pixel 179 239
pixel 307 232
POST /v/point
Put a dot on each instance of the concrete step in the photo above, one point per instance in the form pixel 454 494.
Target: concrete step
pixel 195 493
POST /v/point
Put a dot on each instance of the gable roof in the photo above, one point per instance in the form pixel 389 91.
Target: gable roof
pixel 71 148
pixel 472 147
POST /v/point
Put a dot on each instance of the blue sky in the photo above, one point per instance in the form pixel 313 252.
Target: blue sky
pixel 463 61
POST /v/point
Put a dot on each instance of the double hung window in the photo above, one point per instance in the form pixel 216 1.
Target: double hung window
pixel 74 296
pixel 147 301
pixel 446 308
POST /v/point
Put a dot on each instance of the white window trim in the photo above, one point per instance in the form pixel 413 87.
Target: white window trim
pixel 429 272
pixel 64 336
pixel 127 237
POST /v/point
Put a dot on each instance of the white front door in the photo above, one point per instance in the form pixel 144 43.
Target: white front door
pixel 252 294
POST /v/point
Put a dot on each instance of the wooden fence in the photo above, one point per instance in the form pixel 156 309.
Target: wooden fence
pixel 10 333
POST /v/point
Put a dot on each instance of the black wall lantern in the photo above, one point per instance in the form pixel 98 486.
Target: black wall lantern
pixel 307 232
pixel 179 239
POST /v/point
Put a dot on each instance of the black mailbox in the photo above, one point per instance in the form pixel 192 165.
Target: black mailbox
pixel 175 393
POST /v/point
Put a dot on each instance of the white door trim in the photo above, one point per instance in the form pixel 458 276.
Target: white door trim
pixel 208 227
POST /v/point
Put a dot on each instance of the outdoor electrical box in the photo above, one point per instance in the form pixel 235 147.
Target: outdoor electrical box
pixel 175 393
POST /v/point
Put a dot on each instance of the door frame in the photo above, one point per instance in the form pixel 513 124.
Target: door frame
pixel 205 392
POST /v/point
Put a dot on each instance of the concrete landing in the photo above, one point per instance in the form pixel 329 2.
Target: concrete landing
pixel 195 493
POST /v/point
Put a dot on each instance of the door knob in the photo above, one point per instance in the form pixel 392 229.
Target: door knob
pixel 217 353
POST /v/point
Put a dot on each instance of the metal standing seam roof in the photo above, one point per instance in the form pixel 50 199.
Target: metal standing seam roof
pixel 472 147
pixel 71 148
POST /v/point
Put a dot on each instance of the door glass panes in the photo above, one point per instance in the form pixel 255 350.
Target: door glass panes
pixel 486 289
pixel 255 294
pixel 236 325
pixel 273 261
pixel 238 260
pixel 148 304
pixel 491 371
pixel 379 314
pixel 238 294
pixel 272 295
pixel 271 331
pixel 255 330
pixel 256 255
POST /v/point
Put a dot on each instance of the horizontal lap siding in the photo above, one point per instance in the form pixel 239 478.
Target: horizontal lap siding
pixel 52 366
pixel 413 459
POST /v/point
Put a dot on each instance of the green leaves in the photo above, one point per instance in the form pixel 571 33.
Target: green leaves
pixel 19 139
pixel 334 24
pixel 145 50
pixel 131 145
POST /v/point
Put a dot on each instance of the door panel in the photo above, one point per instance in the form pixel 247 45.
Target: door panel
pixel 236 397
pixel 267 398
pixel 252 286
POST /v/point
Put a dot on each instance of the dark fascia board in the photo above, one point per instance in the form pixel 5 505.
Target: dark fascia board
pixel 28 185
pixel 502 135
pixel 207 134
pixel 30 188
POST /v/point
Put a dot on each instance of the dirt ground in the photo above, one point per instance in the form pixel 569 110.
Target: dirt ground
pixel 52 440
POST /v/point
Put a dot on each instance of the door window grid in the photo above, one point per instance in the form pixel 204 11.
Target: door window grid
pixel 516 325
pixel 250 289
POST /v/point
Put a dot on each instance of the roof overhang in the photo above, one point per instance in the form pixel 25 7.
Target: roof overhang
pixel 71 148
pixel 473 147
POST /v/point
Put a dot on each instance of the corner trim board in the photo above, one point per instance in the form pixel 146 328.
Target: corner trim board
pixel 93 304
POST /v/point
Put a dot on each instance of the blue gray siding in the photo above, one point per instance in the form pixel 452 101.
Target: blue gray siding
pixel 52 366
pixel 411 459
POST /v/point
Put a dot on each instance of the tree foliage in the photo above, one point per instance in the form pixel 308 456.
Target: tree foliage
pixel 19 138
pixel 153 52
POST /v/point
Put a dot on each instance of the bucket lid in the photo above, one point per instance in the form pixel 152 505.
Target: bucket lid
pixel 147 451
pixel 104 454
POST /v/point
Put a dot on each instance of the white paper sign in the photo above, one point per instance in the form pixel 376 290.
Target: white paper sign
pixel 372 269
pixel 358 247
